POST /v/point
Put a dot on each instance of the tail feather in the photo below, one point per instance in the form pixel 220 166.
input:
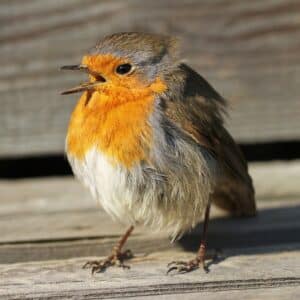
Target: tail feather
pixel 235 196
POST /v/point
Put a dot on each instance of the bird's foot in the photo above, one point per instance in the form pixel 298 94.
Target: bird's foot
pixel 181 267
pixel 117 258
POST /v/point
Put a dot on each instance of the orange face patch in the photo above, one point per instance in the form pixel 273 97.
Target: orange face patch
pixel 114 117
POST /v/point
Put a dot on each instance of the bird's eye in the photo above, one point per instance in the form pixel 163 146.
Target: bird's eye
pixel 124 69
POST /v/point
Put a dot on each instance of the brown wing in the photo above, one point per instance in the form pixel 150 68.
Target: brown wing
pixel 197 109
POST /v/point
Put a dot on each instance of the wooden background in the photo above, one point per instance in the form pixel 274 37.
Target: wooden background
pixel 249 50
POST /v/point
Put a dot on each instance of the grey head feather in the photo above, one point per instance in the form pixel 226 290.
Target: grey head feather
pixel 151 54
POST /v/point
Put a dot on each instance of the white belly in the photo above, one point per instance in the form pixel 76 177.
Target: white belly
pixel 166 198
pixel 107 183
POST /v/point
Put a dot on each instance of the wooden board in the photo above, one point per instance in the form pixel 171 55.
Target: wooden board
pixel 277 293
pixel 66 279
pixel 49 227
pixel 249 50
pixel 251 294
pixel 60 208
pixel 55 218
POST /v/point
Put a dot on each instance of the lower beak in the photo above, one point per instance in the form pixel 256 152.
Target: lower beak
pixel 83 87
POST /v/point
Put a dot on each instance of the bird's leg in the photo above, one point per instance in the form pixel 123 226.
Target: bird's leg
pixel 116 258
pixel 199 260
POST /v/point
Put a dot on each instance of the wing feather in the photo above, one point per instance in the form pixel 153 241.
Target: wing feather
pixel 194 106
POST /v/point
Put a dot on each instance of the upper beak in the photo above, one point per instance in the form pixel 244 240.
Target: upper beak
pixel 84 86
pixel 74 67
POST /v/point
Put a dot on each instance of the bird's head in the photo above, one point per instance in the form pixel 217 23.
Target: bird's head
pixel 126 62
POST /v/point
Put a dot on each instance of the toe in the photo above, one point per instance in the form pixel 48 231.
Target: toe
pixel 90 264
pixel 182 267
pixel 170 270
pixel 176 263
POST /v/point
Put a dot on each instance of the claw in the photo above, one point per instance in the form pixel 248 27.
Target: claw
pixel 116 259
pixel 89 264
pixel 176 263
pixel 183 266
pixel 182 269
pixel 188 266
pixel 170 270
pixel 94 269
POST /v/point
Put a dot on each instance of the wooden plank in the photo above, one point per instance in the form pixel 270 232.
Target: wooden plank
pixel 278 224
pixel 55 218
pixel 276 179
pixel 280 293
pixel 271 180
pixel 64 249
pixel 65 279
pixel 247 50
pixel 258 257
pixel 92 223
pixel 51 209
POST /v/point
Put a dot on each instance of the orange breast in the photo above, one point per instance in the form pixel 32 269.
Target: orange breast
pixel 115 123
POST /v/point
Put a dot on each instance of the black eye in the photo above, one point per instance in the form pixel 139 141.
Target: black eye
pixel 123 69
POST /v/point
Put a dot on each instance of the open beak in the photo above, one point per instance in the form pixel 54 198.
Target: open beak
pixel 75 67
pixel 84 86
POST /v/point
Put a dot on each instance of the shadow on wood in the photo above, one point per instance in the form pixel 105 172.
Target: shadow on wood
pixel 275 228
pixel 272 226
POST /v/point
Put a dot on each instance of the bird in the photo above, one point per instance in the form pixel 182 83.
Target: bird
pixel 148 139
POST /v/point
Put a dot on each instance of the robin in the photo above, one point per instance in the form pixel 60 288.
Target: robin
pixel 147 138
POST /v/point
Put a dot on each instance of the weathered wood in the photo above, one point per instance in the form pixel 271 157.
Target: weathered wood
pixel 277 224
pixel 279 293
pixel 271 180
pixel 51 209
pixel 247 49
pixel 55 218
pixel 74 223
pixel 276 179
pixel 64 249
pixel 66 280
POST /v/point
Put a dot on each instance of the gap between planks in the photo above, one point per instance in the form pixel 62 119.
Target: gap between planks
pixel 55 218
pixel 271 262
pixel 65 279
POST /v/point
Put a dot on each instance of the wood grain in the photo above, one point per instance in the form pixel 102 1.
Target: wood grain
pixel 49 227
pixel 65 279
pixel 278 293
pixel 248 50
pixel 55 218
